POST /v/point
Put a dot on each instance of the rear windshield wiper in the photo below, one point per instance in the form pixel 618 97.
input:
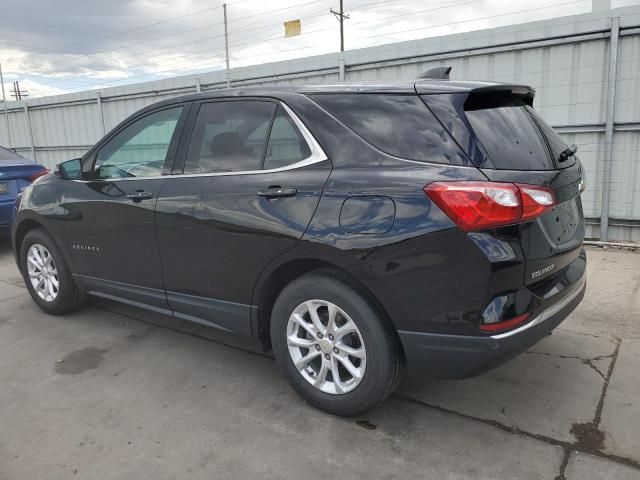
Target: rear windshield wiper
pixel 568 152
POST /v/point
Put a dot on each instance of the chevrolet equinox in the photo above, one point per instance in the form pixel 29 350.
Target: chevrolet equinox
pixel 357 230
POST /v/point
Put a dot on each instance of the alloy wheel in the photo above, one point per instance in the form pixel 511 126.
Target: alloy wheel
pixel 326 347
pixel 43 273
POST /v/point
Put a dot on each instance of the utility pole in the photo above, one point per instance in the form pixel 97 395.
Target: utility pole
pixel 17 93
pixel 226 44
pixel 6 111
pixel 341 16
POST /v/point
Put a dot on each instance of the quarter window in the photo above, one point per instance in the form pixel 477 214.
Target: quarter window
pixel 140 150
pixel 400 125
pixel 229 136
pixel 286 143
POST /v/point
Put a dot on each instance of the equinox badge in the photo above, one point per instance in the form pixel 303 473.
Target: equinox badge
pixel 542 271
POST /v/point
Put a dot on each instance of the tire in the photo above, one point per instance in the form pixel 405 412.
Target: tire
pixel 67 297
pixel 377 365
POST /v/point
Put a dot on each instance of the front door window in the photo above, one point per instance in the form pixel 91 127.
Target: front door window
pixel 140 150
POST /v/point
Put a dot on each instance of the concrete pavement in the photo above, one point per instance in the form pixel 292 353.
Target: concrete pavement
pixel 112 392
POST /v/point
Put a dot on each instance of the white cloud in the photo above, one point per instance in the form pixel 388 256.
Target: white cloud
pixel 123 41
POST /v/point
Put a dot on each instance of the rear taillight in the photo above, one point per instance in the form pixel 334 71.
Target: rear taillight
pixel 535 201
pixel 480 205
pixel 504 325
pixel 38 174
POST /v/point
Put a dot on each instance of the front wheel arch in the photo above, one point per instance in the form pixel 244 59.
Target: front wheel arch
pixel 23 228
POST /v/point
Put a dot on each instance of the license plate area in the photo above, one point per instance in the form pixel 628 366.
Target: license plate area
pixel 4 188
pixel 562 223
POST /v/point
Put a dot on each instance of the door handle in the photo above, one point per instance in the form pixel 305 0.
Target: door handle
pixel 139 195
pixel 277 191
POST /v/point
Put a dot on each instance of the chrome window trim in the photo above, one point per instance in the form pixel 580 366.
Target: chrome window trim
pixel 317 155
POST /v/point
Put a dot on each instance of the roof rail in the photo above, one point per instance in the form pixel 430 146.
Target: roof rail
pixel 436 73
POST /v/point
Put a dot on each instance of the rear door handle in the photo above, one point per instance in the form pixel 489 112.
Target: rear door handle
pixel 277 191
pixel 139 195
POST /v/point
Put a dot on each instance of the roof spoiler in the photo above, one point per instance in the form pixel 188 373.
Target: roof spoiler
pixel 436 73
pixel 524 92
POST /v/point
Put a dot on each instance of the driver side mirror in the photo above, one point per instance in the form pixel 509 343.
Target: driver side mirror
pixel 70 170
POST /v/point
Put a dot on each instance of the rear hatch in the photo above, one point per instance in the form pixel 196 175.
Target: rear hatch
pixel 510 142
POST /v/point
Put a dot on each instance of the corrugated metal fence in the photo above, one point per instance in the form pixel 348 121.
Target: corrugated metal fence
pixel 577 64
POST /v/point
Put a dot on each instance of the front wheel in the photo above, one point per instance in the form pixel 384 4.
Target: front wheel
pixel 334 346
pixel 47 275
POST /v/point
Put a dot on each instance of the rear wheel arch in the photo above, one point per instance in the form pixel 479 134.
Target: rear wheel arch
pixel 286 273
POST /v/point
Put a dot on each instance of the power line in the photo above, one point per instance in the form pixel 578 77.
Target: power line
pixel 529 10
pixel 207 50
pixel 450 3
pixel 71 61
pixel 270 12
pixel 123 32
pixel 325 29
pixel 195 67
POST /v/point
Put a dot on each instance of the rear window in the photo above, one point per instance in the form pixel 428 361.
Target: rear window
pixel 400 125
pixel 9 155
pixel 556 143
pixel 512 133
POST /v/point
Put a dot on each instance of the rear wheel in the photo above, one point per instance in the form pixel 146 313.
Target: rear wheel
pixel 47 275
pixel 336 349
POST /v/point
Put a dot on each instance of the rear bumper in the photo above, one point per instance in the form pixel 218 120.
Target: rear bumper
pixel 458 356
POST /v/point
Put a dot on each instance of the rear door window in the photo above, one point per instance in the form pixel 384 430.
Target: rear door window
pixel 229 136
pixel 511 132
pixel 400 125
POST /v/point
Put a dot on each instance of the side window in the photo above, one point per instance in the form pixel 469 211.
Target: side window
pixel 400 125
pixel 286 143
pixel 229 136
pixel 140 150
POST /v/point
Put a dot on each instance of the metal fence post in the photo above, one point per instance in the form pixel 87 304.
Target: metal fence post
pixel 103 129
pixel 30 130
pixel 6 110
pixel 8 121
pixel 341 69
pixel 226 45
pixel 608 129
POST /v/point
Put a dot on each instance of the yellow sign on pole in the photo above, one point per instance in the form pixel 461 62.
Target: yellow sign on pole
pixel 292 28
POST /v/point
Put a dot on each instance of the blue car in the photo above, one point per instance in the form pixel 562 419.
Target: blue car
pixel 16 172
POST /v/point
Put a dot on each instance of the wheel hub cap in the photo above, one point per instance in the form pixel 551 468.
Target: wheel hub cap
pixel 43 273
pixel 326 347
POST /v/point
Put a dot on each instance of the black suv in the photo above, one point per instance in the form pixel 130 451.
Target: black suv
pixel 352 229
